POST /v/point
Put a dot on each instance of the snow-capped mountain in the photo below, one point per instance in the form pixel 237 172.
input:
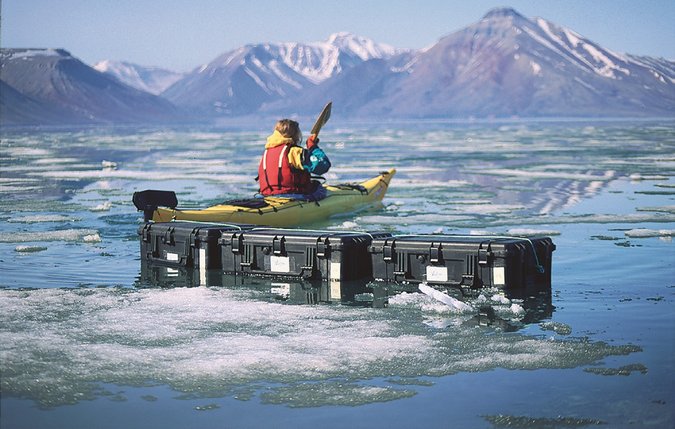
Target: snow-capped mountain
pixel 50 86
pixel 242 80
pixel 505 65
pixel 149 79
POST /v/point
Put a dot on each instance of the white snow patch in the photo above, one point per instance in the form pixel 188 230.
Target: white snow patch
pixel 549 45
pixel 257 80
pixel 31 53
pixel 603 66
pixel 572 37
pixel 586 84
pixel 608 66
pixel 276 69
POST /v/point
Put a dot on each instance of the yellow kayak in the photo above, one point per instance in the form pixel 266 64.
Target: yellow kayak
pixel 274 211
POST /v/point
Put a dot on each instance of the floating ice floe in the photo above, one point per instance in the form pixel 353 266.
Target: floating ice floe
pixel 557 327
pixel 42 218
pixel 29 249
pixel 525 232
pixel 489 209
pixel 103 207
pixel 88 235
pixel 639 176
pixel 92 238
pixel 649 233
pixel 348 224
pixel 661 209
pixel 216 341
pixel 445 298
pixel 426 184
pixel 500 299
pixel 531 174
pixel 517 309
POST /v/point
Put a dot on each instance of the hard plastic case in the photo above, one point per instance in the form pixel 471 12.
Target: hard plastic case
pixel 183 244
pixel 290 253
pixel 464 261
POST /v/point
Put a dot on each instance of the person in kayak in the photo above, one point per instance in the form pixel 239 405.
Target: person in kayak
pixel 286 169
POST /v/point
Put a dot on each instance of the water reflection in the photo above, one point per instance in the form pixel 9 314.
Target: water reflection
pixel 289 290
pixel 535 303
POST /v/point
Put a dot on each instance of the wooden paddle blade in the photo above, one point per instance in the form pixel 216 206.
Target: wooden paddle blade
pixel 322 119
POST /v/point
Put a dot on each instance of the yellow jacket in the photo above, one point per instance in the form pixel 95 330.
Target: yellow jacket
pixel 294 151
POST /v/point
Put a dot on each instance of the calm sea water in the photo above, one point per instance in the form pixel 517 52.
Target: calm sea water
pixel 86 340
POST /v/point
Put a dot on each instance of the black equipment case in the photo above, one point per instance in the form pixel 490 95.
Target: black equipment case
pixel 291 253
pixel 183 244
pixel 464 261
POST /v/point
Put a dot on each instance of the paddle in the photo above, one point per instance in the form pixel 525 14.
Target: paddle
pixel 322 119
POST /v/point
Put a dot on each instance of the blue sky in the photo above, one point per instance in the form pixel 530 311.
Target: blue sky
pixel 184 34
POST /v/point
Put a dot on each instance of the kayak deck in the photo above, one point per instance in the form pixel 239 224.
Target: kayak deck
pixel 275 211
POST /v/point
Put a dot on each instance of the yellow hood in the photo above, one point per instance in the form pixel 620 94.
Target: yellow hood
pixel 276 139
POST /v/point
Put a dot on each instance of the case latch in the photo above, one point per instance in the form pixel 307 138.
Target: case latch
pixel 435 253
pixel 279 245
pixel 388 251
pixel 168 237
pixel 236 242
pixel 322 247
pixel 485 254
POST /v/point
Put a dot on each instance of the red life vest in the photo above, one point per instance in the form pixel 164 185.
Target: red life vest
pixel 276 175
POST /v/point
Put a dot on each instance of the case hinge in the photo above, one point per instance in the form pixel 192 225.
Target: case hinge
pixel 247 256
pixel 401 267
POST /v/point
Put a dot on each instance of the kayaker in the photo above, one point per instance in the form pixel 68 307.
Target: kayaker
pixel 286 169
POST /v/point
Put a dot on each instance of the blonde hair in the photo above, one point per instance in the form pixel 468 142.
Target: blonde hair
pixel 289 129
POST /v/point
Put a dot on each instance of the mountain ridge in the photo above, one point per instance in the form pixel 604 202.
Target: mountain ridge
pixel 240 81
pixel 50 86
pixel 504 65
pixel 149 79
